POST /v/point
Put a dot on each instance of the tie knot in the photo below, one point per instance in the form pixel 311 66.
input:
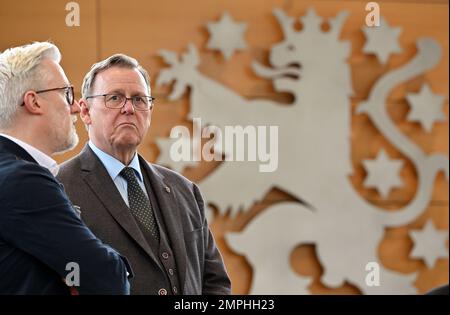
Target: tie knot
pixel 128 174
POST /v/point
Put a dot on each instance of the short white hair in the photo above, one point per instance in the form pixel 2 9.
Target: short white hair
pixel 20 72
pixel 117 60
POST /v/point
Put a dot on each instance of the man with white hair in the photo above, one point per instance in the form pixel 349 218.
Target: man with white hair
pixel 45 248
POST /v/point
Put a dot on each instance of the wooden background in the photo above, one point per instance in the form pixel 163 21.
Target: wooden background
pixel 140 28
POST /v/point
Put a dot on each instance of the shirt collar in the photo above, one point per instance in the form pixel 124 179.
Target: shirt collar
pixel 114 166
pixel 40 157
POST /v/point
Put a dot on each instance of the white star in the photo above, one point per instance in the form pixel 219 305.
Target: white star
pixel 164 158
pixel 429 244
pixel 426 107
pixel 383 173
pixel 382 40
pixel 226 35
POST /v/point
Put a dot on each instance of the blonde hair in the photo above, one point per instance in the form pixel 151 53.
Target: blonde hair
pixel 20 72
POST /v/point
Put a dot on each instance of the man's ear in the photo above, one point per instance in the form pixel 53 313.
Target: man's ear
pixel 31 103
pixel 84 113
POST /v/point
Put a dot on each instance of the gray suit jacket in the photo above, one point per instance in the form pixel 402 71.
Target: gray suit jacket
pixel 199 263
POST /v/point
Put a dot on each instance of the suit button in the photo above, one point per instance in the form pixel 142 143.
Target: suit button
pixel 162 292
pixel 165 255
pixel 171 271
pixel 175 290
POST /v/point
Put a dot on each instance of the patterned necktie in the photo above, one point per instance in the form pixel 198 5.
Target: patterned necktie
pixel 139 203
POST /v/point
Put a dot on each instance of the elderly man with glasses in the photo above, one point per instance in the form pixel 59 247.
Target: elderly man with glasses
pixel 152 215
pixel 45 248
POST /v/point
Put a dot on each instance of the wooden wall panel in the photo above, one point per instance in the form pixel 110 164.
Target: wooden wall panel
pixel 23 22
pixel 38 20
pixel 140 28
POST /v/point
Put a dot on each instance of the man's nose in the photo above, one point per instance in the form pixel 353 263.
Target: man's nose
pixel 75 108
pixel 128 107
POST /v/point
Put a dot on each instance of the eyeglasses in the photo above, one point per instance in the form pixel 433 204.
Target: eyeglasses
pixel 68 93
pixel 116 101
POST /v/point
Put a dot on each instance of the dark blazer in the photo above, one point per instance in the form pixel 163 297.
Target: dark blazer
pixel 40 233
pixel 198 261
pixel 442 290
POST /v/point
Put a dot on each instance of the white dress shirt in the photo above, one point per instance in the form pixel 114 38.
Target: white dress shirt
pixel 114 167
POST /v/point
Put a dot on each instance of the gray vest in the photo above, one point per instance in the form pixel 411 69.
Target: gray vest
pixel 166 278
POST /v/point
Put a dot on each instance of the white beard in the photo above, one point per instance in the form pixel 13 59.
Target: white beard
pixel 69 142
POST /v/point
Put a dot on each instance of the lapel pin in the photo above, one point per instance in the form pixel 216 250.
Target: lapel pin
pixel 167 189
pixel 77 209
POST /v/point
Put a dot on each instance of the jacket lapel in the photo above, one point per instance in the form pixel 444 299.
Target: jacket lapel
pixel 9 146
pixel 169 207
pixel 98 179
